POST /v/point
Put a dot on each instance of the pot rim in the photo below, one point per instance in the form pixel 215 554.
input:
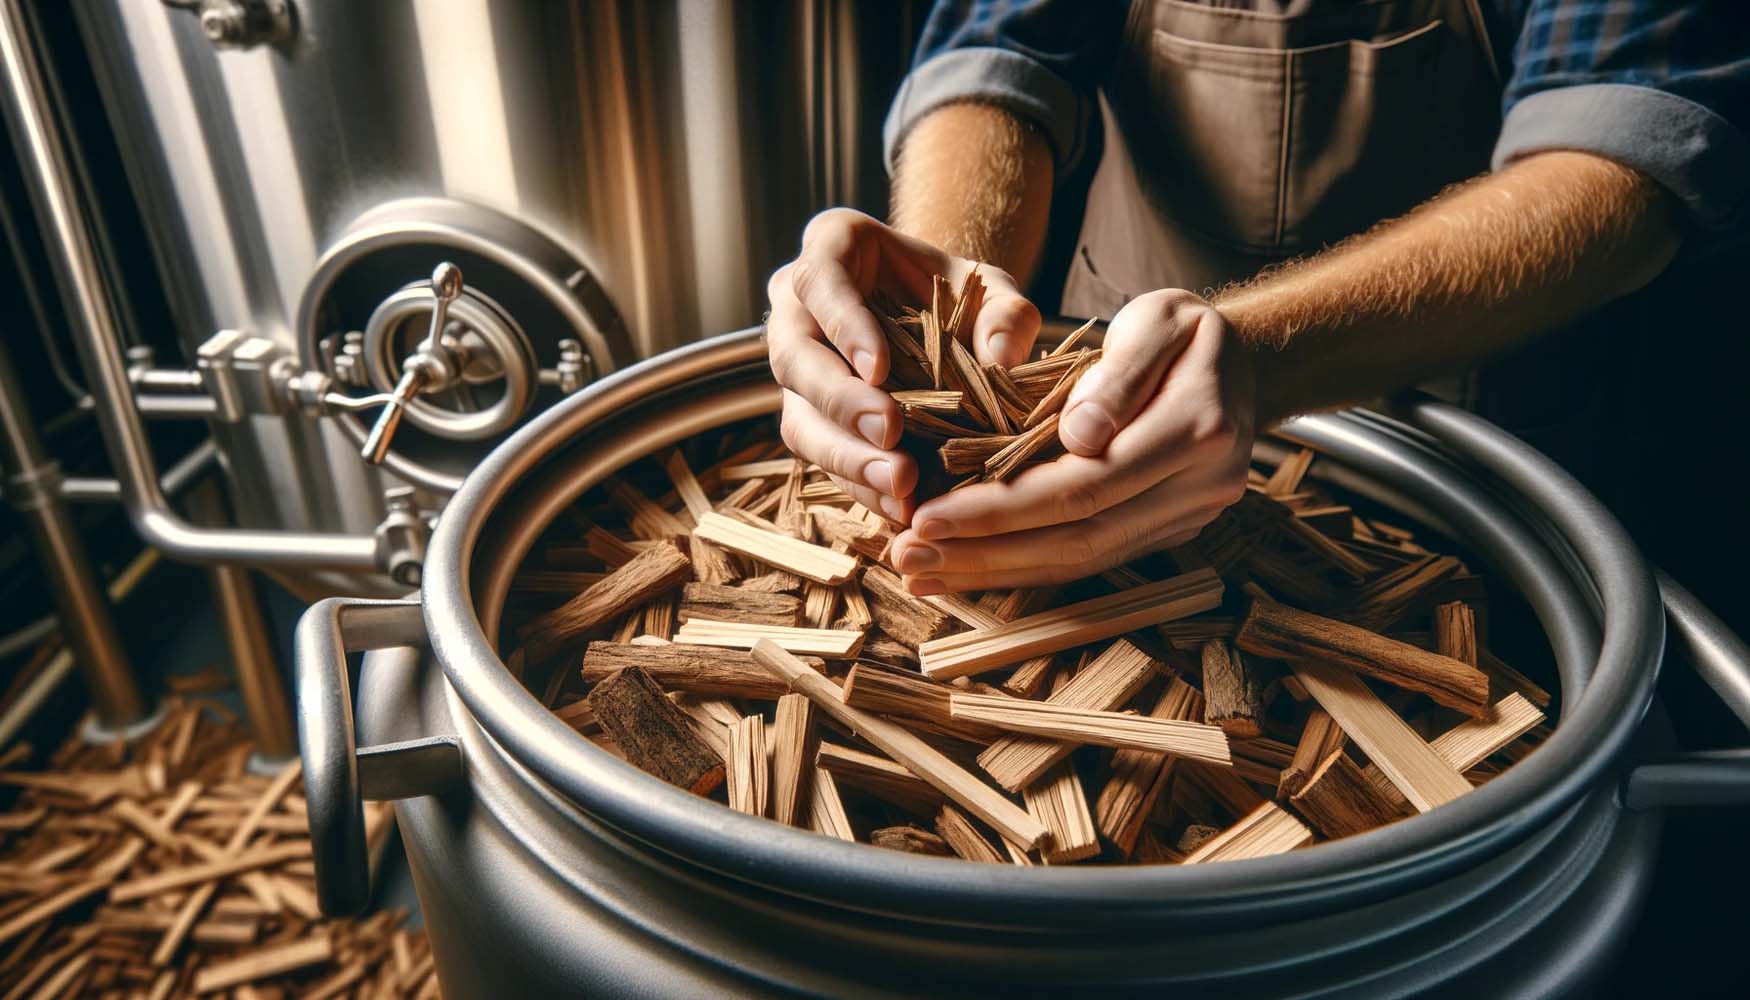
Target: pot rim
pixel 1615 673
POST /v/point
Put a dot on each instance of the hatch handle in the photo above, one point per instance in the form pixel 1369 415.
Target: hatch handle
pixel 338 775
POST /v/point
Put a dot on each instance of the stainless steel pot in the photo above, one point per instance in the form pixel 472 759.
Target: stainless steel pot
pixel 547 867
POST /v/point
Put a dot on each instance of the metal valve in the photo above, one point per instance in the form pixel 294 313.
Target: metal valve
pixel 432 367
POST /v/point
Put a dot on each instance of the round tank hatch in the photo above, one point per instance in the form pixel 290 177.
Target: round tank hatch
pixel 529 325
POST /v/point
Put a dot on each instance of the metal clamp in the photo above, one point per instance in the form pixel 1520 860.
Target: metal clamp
pixel 338 774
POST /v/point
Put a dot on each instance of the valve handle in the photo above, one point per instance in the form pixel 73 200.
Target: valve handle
pixel 425 366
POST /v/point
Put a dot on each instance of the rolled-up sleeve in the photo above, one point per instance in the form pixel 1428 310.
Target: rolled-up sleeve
pixel 1041 60
pixel 1663 87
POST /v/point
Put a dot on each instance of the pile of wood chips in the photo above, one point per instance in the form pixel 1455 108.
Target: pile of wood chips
pixel 163 868
pixel 1298 673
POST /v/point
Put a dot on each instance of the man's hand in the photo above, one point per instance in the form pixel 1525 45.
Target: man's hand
pixel 834 413
pixel 1160 437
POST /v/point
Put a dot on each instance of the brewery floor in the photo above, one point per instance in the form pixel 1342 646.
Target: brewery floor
pixel 165 644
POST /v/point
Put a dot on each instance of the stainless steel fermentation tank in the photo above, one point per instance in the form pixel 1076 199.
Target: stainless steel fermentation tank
pixel 611 179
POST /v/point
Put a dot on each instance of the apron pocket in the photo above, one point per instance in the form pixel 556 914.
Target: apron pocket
pixel 1365 135
pixel 1275 151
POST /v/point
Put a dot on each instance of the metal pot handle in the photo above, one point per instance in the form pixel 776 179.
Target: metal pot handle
pixel 338 775
pixel 1707 777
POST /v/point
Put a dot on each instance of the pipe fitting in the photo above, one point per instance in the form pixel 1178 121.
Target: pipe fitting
pixel 401 536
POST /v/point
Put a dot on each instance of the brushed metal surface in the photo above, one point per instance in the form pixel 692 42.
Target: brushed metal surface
pixel 673 150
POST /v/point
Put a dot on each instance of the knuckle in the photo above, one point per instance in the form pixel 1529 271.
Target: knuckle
pixel 838 219
pixel 1166 303
pixel 805 274
pixel 835 457
pixel 1079 501
pixel 779 283
pixel 783 365
pixel 840 408
pixel 1214 430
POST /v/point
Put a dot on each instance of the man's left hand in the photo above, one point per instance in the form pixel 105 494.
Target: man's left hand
pixel 1159 434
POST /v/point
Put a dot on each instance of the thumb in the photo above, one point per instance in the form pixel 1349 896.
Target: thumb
pixel 1141 342
pixel 1006 326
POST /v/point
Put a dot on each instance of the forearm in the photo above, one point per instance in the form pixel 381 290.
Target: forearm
pixel 976 181
pixel 1475 271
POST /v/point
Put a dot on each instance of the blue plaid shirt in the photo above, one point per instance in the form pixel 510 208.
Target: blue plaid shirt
pixel 1659 85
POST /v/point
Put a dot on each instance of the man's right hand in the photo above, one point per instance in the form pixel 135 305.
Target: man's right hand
pixel 835 414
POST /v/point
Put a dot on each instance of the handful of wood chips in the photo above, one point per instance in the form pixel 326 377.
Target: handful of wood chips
pixel 966 422
pixel 1298 673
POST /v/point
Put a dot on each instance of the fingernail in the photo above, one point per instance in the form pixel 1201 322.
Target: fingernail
pixel 1087 426
pixel 879 474
pixel 873 427
pixel 919 559
pixel 893 507
pixel 925 587
pixel 936 527
pixel 864 362
pixel 999 348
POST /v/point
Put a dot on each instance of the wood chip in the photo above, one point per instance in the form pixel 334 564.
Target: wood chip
pixel 1319 737
pixel 793 746
pixel 681 666
pixel 654 735
pixel 1058 801
pixel 1077 624
pixel 964 838
pixel 718 603
pixel 911 840
pixel 1338 800
pixel 1389 742
pixel 650 574
pixel 826 811
pixel 880 777
pixel 263 963
pixel 1087 726
pixel 1276 630
pixel 824 642
pixel 909 619
pixel 749 768
pixel 1266 830
pixel 1233 691
pixel 922 703
pixel 812 562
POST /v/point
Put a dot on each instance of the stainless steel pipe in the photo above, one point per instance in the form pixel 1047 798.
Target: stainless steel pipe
pixel 38 689
pixel 48 175
pixel 33 486
pixel 260 683
pixel 184 473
